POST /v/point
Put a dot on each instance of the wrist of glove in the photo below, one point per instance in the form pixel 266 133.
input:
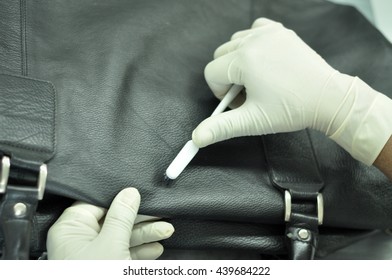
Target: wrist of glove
pixel 85 231
pixel 289 87
pixel 362 123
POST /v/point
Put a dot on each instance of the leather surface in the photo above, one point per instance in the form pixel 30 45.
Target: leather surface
pixel 299 248
pixel 18 207
pixel 12 37
pixel 129 78
pixel 198 235
pixel 27 117
pixel 293 169
pixel 292 166
pixel 16 230
pixel 48 211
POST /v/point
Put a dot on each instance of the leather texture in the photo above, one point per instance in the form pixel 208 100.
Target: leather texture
pixel 17 208
pixel 130 90
pixel 12 46
pixel 301 248
pixel 267 240
pixel 27 117
pixel 294 170
pixel 17 229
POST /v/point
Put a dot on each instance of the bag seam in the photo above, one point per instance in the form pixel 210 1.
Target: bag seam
pixel 22 7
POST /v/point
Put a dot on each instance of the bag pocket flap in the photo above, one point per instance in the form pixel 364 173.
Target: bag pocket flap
pixel 27 117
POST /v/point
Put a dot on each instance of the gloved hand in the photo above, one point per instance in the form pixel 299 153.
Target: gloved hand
pixel 290 87
pixel 84 232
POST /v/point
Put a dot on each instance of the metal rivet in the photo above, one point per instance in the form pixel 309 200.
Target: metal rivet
pixel 303 234
pixel 20 209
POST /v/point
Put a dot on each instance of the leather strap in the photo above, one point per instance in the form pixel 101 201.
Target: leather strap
pixel 293 169
pixel 24 188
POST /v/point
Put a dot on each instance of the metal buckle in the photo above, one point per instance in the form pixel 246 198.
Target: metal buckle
pixel 287 206
pixel 43 175
pixel 320 207
pixel 5 172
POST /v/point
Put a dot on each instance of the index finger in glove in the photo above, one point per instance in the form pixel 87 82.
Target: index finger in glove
pixel 121 216
pixel 222 72
pixel 258 23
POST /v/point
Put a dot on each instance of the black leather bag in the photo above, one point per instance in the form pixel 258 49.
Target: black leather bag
pixel 105 93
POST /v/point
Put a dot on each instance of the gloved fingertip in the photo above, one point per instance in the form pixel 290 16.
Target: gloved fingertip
pixel 202 137
pixel 129 195
pixel 121 215
pixel 262 21
pixel 165 229
pixel 149 251
pixel 158 249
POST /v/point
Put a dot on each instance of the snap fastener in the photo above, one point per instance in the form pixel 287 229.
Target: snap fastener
pixel 20 209
pixel 303 234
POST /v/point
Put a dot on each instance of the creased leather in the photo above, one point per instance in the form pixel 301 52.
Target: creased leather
pixel 129 78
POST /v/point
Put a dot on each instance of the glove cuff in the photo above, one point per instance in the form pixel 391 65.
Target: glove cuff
pixel 368 124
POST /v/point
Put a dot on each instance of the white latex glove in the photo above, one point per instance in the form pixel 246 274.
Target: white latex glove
pixel 290 87
pixel 80 234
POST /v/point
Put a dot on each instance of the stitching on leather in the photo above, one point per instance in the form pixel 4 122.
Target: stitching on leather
pixel 25 39
pixel 54 122
pixel 24 147
pixel 24 77
pixel 21 39
pixel 22 7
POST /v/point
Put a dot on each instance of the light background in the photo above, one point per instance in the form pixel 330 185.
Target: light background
pixel 378 12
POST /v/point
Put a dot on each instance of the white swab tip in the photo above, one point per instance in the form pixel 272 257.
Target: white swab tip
pixel 183 158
